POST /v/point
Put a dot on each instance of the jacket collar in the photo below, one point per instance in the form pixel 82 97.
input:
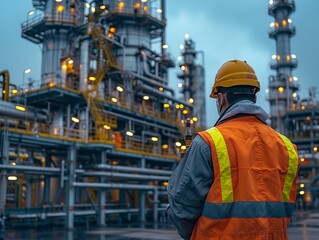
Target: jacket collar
pixel 243 107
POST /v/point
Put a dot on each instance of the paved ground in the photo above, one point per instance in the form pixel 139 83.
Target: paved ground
pixel 305 227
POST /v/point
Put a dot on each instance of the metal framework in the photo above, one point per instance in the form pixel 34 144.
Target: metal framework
pixel 97 137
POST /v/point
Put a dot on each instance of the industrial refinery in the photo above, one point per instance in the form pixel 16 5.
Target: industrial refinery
pixel 296 118
pixel 96 139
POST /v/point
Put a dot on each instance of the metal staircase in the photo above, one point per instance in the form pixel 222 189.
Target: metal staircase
pixel 102 120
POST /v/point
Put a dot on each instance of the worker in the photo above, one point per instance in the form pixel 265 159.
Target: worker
pixel 238 179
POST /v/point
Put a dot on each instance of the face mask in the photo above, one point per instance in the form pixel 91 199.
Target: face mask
pixel 219 108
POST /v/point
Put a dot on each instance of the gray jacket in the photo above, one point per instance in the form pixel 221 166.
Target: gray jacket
pixel 194 175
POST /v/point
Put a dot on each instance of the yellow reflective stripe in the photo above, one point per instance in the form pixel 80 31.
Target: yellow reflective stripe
pixel 292 168
pixel 224 164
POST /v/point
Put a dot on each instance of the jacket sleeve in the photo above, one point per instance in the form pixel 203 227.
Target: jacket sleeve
pixel 189 185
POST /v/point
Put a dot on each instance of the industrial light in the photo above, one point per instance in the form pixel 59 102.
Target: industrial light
pixel 191 100
pixel 183 147
pixel 165 184
pixel 58 0
pixel 289 20
pixel 180 85
pixel 181 105
pixel 31 12
pixel 121 4
pixel 302 107
pixel 267 90
pixel 181 47
pixel 288 58
pixel 281 89
pixel 87 5
pixel 102 7
pixel 129 133
pixel 272 24
pixel 137 5
pixel 64 67
pixel 186 36
pixel 179 58
pixel 119 88
pixel 113 99
pixel 145 8
pixel 51 84
pixel 315 149
pixel 70 61
pixel 294 95
pixel 28 70
pixel 271 2
pixel 60 8
pixel 295 78
pixel 284 23
pixel 154 139
pixel 177 106
pixel 112 29
pixel 185 111
pixel 20 108
pixel 93 9
pixel 12 178
pixel 302 159
pixel 302 192
pixel 161 89
pixel 13 163
pixel 195 119
pixel 14 91
pixel 293 56
pixel 146 97
pixel 92 78
pixel 183 67
pixel 302 185
pixel 159 10
pixel 166 105
pixel 274 56
pixel 107 127
pixel 165 46
pixel 75 119
pixel 144 1
pixel 178 144
pixel 165 146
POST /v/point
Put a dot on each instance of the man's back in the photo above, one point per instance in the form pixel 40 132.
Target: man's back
pixel 252 192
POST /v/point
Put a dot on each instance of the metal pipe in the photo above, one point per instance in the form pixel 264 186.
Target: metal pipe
pixel 9 109
pixel 34 170
pixel 163 95
pixel 130 169
pixel 152 82
pixel 114 186
pixel 126 175
pixel 146 70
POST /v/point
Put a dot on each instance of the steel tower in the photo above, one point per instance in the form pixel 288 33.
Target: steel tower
pixel 193 80
pixel 282 86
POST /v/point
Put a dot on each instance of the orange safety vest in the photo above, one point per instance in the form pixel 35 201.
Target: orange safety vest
pixel 254 188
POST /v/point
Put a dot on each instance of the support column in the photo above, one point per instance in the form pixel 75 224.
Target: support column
pixel 70 193
pixel 141 199
pixel 155 206
pixel 47 181
pixel 3 173
pixel 102 195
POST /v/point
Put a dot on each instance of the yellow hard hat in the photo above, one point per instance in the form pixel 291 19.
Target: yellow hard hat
pixel 235 73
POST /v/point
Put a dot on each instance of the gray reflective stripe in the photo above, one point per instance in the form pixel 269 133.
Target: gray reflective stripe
pixel 248 210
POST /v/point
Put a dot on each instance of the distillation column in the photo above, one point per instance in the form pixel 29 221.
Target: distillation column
pixel 193 76
pixel 282 86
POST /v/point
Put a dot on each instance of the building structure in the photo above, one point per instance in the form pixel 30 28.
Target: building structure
pixel 297 118
pixel 97 137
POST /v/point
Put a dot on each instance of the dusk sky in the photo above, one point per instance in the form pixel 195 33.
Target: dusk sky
pixel 224 30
